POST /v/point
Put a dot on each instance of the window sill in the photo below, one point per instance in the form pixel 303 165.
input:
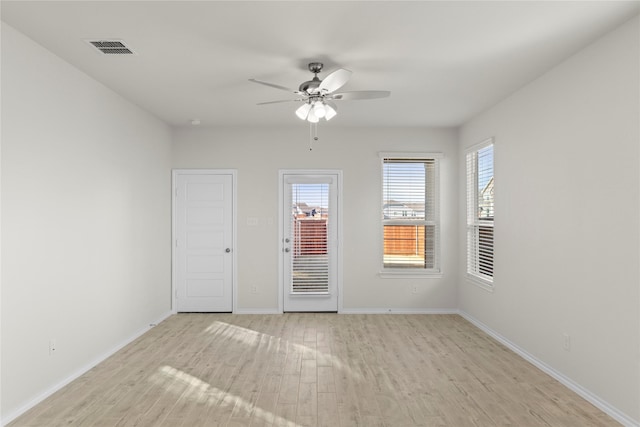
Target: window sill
pixel 412 274
pixel 479 282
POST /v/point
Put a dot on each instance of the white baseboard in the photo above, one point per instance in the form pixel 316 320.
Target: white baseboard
pixel 605 407
pixel 358 311
pixel 81 371
pixel 399 311
pixel 257 311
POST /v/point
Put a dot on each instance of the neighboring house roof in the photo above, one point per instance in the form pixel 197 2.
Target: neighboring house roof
pixel 488 189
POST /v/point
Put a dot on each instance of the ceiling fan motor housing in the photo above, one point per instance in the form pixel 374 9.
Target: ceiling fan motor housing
pixel 311 86
pixel 315 67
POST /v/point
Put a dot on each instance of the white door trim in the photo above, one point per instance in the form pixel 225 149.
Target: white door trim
pixel 174 230
pixel 281 214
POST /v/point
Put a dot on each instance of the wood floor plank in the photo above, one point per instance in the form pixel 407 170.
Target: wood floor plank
pixel 325 383
pixel 289 389
pixel 307 401
pixel 328 410
pixel 285 415
pixel 309 371
pixel 314 369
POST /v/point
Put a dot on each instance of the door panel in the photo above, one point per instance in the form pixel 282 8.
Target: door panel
pixel 204 238
pixel 310 242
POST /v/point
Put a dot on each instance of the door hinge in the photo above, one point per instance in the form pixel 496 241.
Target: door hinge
pixel 176 191
pixel 177 243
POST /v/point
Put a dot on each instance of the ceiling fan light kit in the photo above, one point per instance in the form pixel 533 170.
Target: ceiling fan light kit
pixel 314 110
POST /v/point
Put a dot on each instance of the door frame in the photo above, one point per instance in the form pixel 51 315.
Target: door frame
pixel 174 230
pixel 281 219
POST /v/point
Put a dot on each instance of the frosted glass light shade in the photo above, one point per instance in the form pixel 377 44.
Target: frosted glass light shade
pixel 303 111
pixel 312 118
pixel 330 112
pixel 319 109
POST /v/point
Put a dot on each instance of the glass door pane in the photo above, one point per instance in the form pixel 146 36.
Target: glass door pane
pixel 310 236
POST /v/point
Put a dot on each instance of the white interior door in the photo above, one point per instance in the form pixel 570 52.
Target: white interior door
pixel 203 261
pixel 310 241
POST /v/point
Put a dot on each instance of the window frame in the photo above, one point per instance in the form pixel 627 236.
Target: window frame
pixel 474 223
pixel 390 272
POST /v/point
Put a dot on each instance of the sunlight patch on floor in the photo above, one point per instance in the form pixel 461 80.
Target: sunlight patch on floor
pixel 190 387
pixel 253 338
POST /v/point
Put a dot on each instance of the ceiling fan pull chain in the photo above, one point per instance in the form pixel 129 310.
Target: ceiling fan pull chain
pixel 313 134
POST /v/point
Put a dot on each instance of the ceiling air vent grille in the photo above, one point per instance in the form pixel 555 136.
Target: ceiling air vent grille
pixel 111 47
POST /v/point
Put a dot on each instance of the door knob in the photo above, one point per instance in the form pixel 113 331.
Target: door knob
pixel 286 249
pixel 227 250
pixel 287 240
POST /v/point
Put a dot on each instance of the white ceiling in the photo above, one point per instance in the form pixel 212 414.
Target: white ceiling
pixel 443 62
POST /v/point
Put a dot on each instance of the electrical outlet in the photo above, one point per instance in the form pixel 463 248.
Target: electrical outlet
pixel 52 347
pixel 254 289
pixel 414 289
pixel 566 342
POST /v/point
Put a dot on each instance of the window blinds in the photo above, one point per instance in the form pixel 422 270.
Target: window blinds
pixel 480 212
pixel 310 224
pixel 410 213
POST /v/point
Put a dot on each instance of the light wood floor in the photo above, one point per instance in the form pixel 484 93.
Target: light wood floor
pixel 315 370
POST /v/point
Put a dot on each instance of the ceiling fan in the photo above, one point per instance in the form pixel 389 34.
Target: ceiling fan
pixel 318 96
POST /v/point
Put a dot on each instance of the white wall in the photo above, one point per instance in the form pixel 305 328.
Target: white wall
pixel 85 220
pixel 259 153
pixel 567 207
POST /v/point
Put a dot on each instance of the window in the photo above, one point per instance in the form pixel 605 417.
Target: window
pixel 480 212
pixel 410 214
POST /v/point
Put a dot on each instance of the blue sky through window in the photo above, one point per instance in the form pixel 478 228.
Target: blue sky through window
pixel 314 195
pixel 485 166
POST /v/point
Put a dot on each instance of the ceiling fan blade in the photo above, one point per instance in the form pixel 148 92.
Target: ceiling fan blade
pixel 360 94
pixel 335 80
pixel 286 89
pixel 282 100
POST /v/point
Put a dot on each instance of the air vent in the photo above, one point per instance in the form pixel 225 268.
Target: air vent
pixel 111 47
